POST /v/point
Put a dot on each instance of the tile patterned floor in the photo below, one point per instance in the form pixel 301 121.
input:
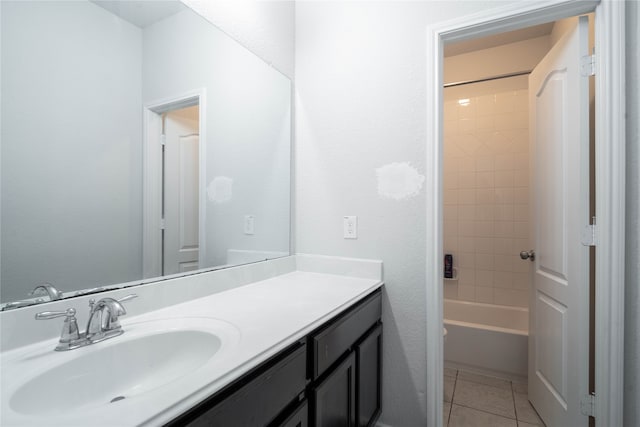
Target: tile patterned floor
pixel 473 400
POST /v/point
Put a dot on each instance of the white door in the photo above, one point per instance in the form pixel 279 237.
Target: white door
pixel 181 190
pixel 559 306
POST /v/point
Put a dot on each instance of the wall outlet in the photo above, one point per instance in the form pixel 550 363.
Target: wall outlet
pixel 249 224
pixel 350 226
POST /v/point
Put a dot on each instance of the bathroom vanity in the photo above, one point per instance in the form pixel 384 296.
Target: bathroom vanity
pixel 289 342
pixel 330 377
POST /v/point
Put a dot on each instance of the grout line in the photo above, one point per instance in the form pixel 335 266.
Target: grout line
pixel 485 411
pixel 513 397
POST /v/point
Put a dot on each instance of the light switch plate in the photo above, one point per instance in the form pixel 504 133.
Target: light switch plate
pixel 249 224
pixel 350 225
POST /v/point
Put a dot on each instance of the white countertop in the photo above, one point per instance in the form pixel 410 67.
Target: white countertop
pixel 268 315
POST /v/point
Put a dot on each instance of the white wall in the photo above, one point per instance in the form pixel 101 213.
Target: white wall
pixel 247 127
pixel 53 51
pixel 265 27
pixel 632 273
pixel 361 104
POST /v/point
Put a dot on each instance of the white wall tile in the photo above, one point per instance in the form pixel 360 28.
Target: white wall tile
pixel 467 180
pixel 484 262
pixel 521 178
pixel 467 244
pixel 504 161
pixel 484 278
pixel 504 213
pixel 512 297
pixel 484 294
pixel 485 179
pixel 450 180
pixel 487 197
pixel 484 163
pixel 505 178
pixel 466 293
pixel 467 197
pixel 467 213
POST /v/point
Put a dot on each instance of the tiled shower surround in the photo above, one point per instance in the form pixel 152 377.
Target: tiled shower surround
pixel 486 196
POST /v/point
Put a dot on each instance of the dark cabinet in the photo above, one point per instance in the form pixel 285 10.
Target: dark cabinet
pixel 335 397
pixel 255 400
pixel 369 376
pixel 299 417
pixel 331 378
pixel 346 362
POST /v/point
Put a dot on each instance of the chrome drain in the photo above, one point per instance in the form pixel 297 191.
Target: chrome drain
pixel 115 399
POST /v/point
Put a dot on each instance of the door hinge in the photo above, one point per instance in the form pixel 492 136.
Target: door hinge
pixel 588 405
pixel 163 140
pixel 162 224
pixel 589 234
pixel 588 65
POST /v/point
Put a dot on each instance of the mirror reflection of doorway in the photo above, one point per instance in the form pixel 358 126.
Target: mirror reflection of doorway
pixel 180 172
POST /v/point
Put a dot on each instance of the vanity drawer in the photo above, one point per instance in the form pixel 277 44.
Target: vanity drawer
pixel 259 401
pixel 333 341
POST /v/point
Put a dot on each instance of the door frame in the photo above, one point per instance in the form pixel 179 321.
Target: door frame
pixel 610 186
pixel 152 177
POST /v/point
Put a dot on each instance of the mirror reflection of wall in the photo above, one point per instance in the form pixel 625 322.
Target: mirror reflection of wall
pixel 77 77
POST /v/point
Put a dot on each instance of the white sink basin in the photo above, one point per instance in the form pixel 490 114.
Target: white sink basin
pixel 148 356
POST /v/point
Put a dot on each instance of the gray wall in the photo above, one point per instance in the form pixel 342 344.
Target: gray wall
pixel 72 170
pixel 266 28
pixel 247 127
pixel 632 273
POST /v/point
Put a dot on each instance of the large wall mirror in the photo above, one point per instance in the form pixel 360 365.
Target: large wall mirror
pixel 138 141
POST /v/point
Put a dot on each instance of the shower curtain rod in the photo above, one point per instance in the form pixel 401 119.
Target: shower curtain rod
pixel 501 76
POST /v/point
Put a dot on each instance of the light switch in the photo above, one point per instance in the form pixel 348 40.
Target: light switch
pixel 249 221
pixel 350 225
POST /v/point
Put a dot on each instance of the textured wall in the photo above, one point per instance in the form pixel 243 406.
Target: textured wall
pixel 632 274
pixel 264 27
pixel 361 105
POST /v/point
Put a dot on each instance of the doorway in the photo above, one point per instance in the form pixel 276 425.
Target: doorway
pixel 180 192
pixel 517 181
pixel 174 176
pixel 608 184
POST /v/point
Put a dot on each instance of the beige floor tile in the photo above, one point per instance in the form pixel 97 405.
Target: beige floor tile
pixel 525 412
pixel 450 372
pixel 449 384
pixel 446 409
pixel 485 379
pixel 523 424
pixel 519 387
pixel 485 398
pixel 467 417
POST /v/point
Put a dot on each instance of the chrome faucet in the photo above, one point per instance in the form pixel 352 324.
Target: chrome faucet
pixel 103 323
pixel 103 318
pixel 49 289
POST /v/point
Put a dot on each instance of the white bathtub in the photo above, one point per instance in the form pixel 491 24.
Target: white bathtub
pixel 487 338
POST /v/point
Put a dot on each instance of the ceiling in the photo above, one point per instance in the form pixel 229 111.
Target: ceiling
pixel 498 39
pixel 141 13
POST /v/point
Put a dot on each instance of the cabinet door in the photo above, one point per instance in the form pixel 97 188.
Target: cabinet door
pixel 299 418
pixel 335 396
pixel 369 373
pixel 256 403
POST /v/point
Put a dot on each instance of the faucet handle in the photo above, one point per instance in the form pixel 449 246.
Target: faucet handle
pixel 70 336
pixel 45 315
pixel 128 298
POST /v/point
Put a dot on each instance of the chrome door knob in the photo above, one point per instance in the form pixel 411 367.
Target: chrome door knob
pixel 530 255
